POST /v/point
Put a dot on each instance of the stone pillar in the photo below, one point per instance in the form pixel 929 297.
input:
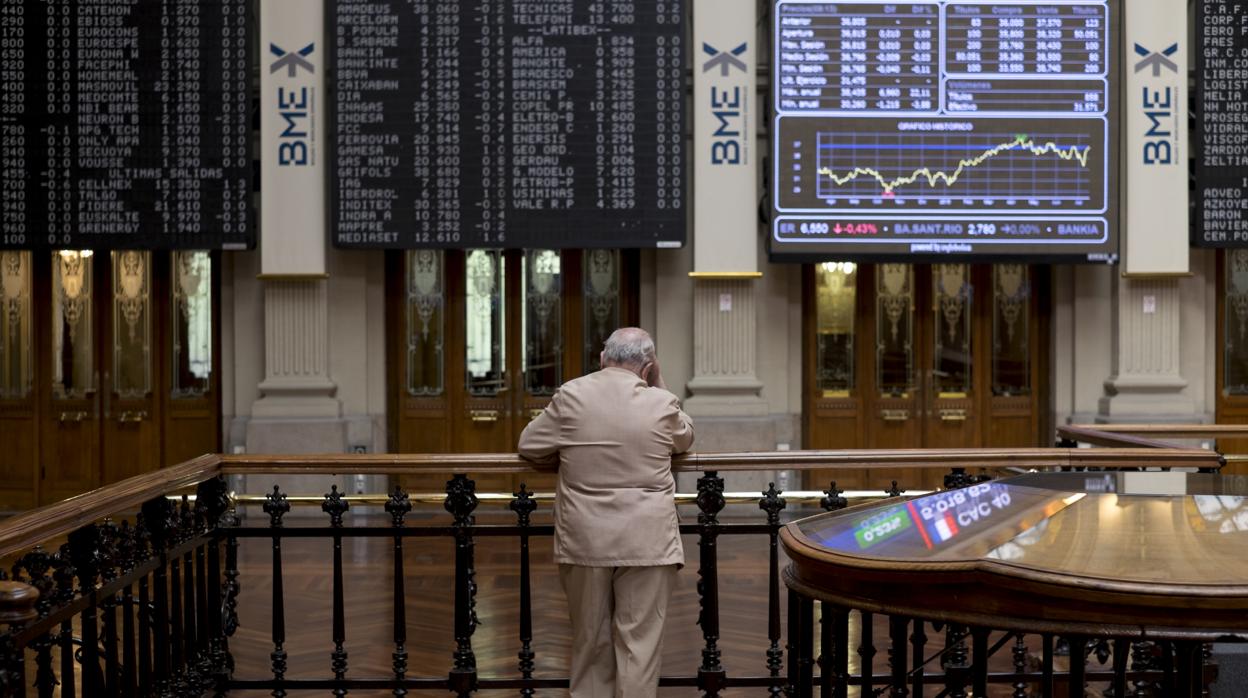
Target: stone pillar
pixel 297 411
pixel 1147 382
pixel 725 382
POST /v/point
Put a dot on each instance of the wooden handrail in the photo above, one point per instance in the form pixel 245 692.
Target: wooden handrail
pixel 1094 435
pixel 24 531
pixel 27 530
pixel 1172 431
pixel 419 464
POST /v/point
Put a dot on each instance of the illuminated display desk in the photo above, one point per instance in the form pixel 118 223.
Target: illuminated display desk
pixel 1127 557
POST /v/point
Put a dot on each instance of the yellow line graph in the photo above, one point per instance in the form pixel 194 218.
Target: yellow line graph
pixel 1021 141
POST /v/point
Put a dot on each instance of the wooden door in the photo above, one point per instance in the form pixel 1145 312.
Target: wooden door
pixel 1231 347
pixel 190 349
pixel 108 368
pixel 479 341
pixel 1015 313
pixel 940 356
pixel 129 357
pixel 19 409
pixel 483 421
pixel 951 353
pixel 70 362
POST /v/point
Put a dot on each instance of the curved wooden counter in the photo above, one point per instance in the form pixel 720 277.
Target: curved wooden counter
pixel 1121 554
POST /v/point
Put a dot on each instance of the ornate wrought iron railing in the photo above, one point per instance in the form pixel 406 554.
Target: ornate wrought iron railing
pixel 148 606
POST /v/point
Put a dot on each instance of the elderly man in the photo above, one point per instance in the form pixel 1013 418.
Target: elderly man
pixel 617 543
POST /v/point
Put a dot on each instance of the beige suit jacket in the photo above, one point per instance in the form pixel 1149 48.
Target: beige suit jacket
pixel 613 437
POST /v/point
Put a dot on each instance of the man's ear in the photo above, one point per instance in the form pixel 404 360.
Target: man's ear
pixel 602 358
pixel 646 369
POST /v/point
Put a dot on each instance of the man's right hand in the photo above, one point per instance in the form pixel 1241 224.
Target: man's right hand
pixel 652 375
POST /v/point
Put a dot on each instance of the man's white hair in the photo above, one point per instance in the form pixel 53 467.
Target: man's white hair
pixel 628 346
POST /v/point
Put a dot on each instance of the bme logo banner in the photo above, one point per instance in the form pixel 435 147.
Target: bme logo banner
pixel 295 104
pixel 293 64
pixel 1154 72
pixel 725 182
pixel 729 104
pixel 1159 104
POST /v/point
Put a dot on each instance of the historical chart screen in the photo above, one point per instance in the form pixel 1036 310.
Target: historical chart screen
pixel 962 129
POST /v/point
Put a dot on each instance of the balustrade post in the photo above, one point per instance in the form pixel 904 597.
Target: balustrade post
pixel 63 576
pixel 230 588
pixel 791 644
pixel 524 505
pixel 1141 661
pixel 158 519
pixel 176 616
pixel 276 506
pixel 979 658
pixel 336 505
pixel 1019 655
pixel 461 501
pixel 1189 672
pixel 212 501
pixel 38 563
pixel 84 550
pixel 840 650
pixel 188 529
pixel 806 646
pixel 1122 647
pixel 918 652
pixel 897 655
pixel 125 556
pixel 143 552
pixel 398 507
pixel 773 504
pixel 1167 664
pixel 825 658
pixel 866 651
pixel 1078 665
pixel 1046 665
pixel 17 607
pixel 107 555
pixel 955 661
pixel 710 502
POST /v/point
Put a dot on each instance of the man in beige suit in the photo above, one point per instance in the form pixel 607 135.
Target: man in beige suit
pixel 617 543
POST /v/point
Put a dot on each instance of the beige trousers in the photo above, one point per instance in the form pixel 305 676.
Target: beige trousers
pixel 617 628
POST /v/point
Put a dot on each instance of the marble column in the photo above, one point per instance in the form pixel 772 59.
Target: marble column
pixel 297 411
pixel 1147 381
pixel 725 382
pixel 728 411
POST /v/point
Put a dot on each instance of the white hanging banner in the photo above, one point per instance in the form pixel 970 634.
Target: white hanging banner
pixel 1155 228
pixel 292 138
pixel 725 182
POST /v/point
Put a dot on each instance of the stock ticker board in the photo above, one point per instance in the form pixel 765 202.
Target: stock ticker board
pixel 1220 140
pixel 507 123
pixel 125 124
pixel 965 129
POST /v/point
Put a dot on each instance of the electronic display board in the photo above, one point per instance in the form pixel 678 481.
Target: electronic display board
pixel 1220 139
pixel 507 124
pixel 126 124
pixel 945 128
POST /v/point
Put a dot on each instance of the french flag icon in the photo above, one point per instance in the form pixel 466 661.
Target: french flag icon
pixel 946 527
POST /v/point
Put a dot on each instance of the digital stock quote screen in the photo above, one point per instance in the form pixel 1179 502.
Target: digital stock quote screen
pixel 126 124
pixel 962 129
pixel 507 124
